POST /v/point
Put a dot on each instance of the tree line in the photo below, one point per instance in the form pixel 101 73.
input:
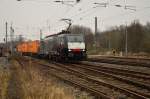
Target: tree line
pixel 138 37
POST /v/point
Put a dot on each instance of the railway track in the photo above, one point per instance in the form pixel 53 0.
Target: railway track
pixel 123 57
pixel 122 61
pixel 101 82
pixel 98 71
pixel 117 71
pixel 135 81
pixel 87 81
pixel 53 70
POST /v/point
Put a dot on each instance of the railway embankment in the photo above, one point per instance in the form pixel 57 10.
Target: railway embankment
pixel 30 78
pixel 102 81
pixel 26 81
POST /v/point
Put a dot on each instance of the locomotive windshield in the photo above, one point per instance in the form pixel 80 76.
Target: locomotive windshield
pixel 75 38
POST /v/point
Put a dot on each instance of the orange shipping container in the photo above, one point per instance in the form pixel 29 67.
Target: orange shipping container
pixel 29 47
pixel 22 47
pixel 33 47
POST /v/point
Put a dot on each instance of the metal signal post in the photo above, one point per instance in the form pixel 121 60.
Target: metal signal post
pixel 40 35
pixel 6 35
pixel 126 41
pixel 96 32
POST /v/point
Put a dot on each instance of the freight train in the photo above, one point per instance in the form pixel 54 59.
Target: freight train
pixel 60 47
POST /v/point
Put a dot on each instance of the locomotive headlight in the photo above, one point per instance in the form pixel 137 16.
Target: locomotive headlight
pixel 69 50
pixel 83 50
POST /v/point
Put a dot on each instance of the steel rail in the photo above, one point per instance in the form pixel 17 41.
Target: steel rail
pixel 121 62
pixel 92 78
pixel 117 71
pixel 114 69
pixel 135 83
pixel 128 58
pixel 97 93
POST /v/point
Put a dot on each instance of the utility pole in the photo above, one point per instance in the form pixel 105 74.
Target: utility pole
pixel 12 38
pixel 6 35
pixel 41 43
pixel 40 35
pixel 48 25
pixel 109 44
pixel 96 32
pixel 126 41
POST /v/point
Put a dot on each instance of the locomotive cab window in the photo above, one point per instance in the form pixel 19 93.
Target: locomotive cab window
pixel 75 38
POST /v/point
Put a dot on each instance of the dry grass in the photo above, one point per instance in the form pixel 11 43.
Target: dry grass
pixel 4 81
pixel 35 86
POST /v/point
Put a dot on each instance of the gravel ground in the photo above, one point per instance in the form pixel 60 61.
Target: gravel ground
pixel 28 82
pixel 77 93
pixel 114 81
pixel 4 62
pixel 24 82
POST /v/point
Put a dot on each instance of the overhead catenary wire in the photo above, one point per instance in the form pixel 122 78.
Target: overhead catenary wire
pixel 63 16
pixel 122 14
pixel 114 1
pixel 80 13
pixel 44 1
pixel 92 12
pixel 126 13
pixel 68 9
pixel 84 14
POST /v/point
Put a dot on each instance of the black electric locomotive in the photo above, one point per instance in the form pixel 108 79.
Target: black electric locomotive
pixel 64 46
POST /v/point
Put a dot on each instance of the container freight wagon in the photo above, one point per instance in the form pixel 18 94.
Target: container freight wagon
pixel 33 47
pixel 22 48
pixel 29 48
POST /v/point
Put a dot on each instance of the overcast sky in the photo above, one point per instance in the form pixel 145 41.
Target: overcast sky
pixel 29 16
